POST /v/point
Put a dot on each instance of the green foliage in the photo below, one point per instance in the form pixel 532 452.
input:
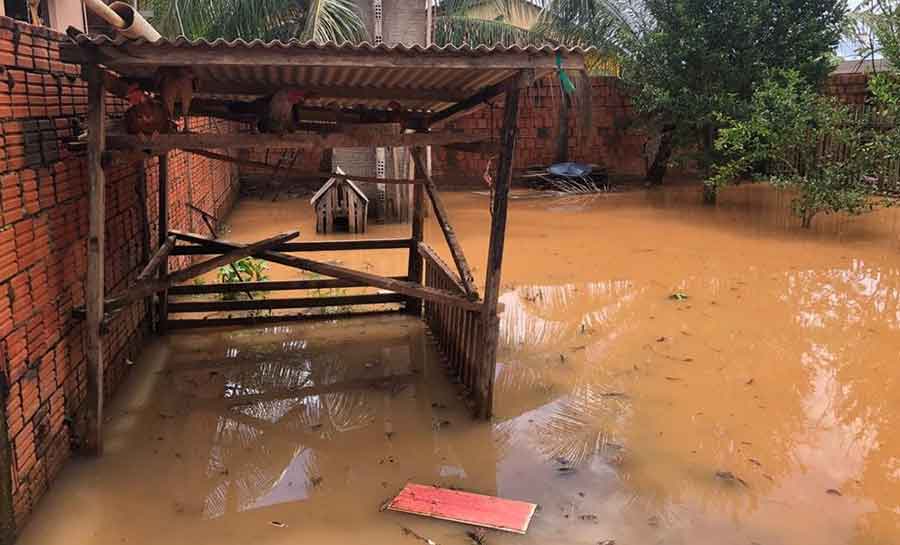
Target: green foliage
pixel 696 60
pixel 319 20
pixel 247 269
pixel 781 138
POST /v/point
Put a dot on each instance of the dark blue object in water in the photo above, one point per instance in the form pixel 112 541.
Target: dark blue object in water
pixel 570 170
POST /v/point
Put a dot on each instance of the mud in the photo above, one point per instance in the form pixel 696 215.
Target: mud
pixel 758 405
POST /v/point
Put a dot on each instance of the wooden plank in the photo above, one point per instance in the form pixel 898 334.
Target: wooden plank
pixel 464 507
pixel 297 172
pixel 490 322
pixel 167 142
pixel 443 219
pixel 94 289
pixel 373 280
pixel 146 287
pixel 163 235
pixel 293 302
pixel 196 323
pixel 162 253
pixel 414 265
pixel 433 260
pixel 268 285
pixel 305 246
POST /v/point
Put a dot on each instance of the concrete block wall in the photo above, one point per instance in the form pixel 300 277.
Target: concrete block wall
pixel 43 230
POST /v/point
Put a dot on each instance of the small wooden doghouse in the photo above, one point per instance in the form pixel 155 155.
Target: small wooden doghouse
pixel 340 206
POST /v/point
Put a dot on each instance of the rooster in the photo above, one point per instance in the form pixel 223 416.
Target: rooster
pixel 146 116
pixel 277 112
pixel 176 85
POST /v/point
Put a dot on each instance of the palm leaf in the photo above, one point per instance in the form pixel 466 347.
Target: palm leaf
pixel 333 21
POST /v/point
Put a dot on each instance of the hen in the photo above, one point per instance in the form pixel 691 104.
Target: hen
pixel 277 111
pixel 146 116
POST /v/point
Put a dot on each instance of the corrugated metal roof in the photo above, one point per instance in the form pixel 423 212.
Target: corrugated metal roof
pixel 345 76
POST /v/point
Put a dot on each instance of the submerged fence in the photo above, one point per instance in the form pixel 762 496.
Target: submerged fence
pixel 458 333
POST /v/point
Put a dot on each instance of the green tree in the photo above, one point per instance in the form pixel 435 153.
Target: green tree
pixel 693 61
pixel 802 140
pixel 319 20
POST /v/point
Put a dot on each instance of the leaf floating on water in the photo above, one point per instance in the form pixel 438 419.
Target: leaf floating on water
pixel 278 524
pixel 607 542
pixel 673 379
pixel 588 518
pixel 834 492
pixel 755 462
pixel 679 296
pixel 749 382
pixel 731 477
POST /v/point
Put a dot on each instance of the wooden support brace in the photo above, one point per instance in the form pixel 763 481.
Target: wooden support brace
pixel 443 219
pixel 428 253
pixel 161 254
pixel 398 286
pixel 149 286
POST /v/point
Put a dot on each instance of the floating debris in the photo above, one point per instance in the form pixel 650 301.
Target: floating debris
pixel 834 492
pixel 679 296
pixel 730 477
pixel 278 524
pixel 465 507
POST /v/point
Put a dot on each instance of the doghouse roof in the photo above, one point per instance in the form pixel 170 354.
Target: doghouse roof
pixel 333 183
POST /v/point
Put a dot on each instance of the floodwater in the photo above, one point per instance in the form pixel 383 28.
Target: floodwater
pixel 762 406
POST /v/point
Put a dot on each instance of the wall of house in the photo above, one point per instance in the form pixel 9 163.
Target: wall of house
pixel 43 229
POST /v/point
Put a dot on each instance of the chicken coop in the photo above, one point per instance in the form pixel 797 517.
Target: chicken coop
pixel 358 96
pixel 340 207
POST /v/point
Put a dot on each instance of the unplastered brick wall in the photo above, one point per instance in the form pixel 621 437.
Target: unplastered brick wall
pixel 43 230
pixel 613 141
pixel 852 88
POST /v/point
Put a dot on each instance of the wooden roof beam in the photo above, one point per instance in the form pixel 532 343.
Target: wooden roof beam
pixel 165 142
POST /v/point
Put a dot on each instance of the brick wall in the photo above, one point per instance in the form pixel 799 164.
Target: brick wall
pixel 613 143
pixel 43 229
pixel 851 88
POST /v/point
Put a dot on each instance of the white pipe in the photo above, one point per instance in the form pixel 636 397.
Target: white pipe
pixel 125 19
pixel 104 12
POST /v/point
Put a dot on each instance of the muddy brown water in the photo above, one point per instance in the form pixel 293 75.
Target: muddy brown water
pixel 763 408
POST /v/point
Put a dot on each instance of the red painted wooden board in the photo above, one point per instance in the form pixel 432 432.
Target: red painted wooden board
pixel 465 507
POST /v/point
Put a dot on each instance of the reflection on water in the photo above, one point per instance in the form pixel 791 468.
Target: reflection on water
pixel 761 409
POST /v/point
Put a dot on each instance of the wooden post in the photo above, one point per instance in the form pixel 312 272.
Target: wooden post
pixel 7 512
pixel 96 120
pixel 490 321
pixel 414 306
pixel 163 315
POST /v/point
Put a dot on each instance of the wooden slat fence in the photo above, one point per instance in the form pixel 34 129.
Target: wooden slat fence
pixel 459 333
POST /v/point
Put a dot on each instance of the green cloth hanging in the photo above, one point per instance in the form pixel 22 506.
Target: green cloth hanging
pixel 564 80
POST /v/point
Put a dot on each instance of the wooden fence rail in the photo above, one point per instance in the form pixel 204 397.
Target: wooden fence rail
pixel 458 332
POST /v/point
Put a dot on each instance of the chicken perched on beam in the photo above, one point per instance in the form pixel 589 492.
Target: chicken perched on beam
pixel 276 113
pixel 176 85
pixel 146 116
